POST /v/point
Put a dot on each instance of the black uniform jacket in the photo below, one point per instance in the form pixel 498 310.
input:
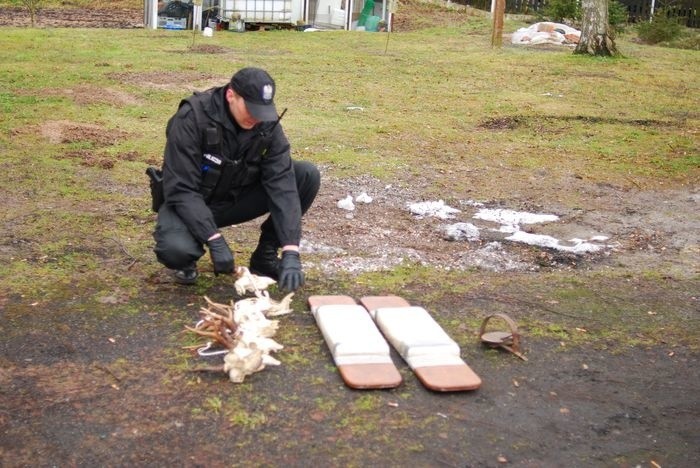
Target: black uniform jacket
pixel 183 166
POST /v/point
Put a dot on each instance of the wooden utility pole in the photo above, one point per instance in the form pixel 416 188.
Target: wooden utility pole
pixel 497 31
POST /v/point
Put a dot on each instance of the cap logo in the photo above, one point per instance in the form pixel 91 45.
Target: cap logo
pixel 267 92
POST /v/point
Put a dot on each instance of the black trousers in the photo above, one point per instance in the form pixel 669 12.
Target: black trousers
pixel 177 248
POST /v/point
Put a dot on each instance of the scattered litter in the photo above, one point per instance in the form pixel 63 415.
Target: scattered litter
pixel 346 204
pixel 461 231
pixel 502 459
pixel 208 32
pixel 553 95
pixel 354 108
pixel 363 198
pixel 546 33
pixel 437 209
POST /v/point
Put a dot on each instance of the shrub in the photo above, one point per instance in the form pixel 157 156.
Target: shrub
pixel 569 11
pixel 617 15
pixel 560 11
pixel 662 28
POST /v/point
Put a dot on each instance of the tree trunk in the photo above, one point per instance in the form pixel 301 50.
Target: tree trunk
pixel 595 31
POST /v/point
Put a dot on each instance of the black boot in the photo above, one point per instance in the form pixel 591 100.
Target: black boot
pixel 187 275
pixel 264 261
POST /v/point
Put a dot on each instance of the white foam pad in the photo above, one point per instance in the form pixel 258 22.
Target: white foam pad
pixel 351 335
pixel 413 332
pixel 428 360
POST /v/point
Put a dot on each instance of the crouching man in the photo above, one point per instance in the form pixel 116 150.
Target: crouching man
pixel 227 161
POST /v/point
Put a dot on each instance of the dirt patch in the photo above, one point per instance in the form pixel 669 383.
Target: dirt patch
pixel 209 49
pixel 73 18
pixel 170 81
pixel 384 233
pixel 62 131
pixel 85 95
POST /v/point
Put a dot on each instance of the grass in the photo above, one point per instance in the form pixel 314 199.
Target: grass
pixel 438 99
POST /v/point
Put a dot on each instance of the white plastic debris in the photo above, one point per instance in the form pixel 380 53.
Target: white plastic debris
pixel 208 32
pixel 437 209
pixel 546 33
pixel 363 198
pixel 346 203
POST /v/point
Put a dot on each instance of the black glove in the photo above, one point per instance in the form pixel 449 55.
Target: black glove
pixel 221 255
pixel 291 276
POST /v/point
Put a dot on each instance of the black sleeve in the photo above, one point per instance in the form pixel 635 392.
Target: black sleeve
pixel 182 174
pixel 277 175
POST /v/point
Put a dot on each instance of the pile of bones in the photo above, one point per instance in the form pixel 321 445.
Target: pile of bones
pixel 242 328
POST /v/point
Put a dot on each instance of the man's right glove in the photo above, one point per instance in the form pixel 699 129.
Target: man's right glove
pixel 221 255
pixel 291 276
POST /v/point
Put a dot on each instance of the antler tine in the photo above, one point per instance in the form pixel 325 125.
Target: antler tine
pixel 217 335
pixel 227 319
pixel 221 308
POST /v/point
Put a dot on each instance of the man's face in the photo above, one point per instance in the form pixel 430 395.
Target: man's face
pixel 238 109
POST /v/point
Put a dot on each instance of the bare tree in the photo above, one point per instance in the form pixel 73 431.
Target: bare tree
pixel 33 7
pixel 596 33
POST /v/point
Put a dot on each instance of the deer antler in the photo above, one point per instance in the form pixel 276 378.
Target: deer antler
pixel 217 323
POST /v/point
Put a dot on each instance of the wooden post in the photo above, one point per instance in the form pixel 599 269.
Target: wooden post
pixel 497 31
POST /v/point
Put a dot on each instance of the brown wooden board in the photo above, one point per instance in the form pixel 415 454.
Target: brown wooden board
pixel 454 375
pixel 358 374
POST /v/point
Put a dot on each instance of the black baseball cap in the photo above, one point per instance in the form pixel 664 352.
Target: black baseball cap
pixel 257 88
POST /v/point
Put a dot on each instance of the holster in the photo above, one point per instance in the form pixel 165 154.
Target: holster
pixel 156 182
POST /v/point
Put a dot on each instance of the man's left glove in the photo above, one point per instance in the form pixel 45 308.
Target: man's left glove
pixel 221 255
pixel 291 276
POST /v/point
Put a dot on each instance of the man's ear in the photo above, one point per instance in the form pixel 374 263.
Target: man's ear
pixel 229 95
